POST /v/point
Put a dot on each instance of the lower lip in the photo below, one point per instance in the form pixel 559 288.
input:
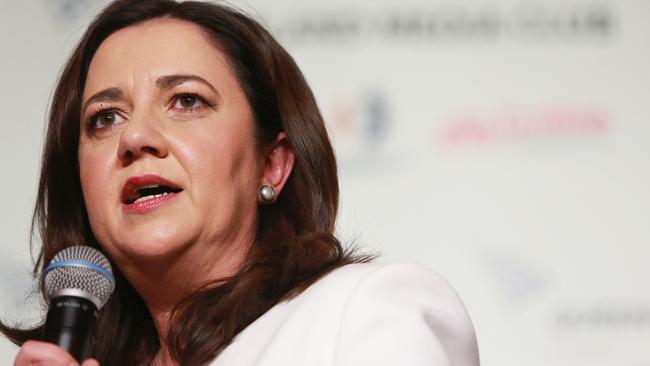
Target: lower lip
pixel 148 205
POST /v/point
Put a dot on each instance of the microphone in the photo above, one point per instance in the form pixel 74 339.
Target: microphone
pixel 78 282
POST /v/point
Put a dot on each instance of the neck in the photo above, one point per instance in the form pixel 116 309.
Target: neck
pixel 163 358
pixel 164 282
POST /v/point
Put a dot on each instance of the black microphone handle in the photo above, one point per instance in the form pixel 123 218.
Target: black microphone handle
pixel 70 324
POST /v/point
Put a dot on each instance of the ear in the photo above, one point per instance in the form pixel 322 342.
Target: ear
pixel 278 164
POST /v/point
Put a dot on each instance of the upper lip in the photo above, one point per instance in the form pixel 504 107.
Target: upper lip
pixel 133 186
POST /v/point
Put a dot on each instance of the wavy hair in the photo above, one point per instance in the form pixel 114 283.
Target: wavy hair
pixel 295 242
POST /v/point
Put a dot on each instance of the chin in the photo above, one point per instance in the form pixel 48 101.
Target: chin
pixel 159 243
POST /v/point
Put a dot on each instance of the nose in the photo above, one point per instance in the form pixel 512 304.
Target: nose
pixel 141 137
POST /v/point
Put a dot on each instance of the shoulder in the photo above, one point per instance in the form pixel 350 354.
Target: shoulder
pixel 367 280
pixel 362 314
pixel 397 311
pixel 401 283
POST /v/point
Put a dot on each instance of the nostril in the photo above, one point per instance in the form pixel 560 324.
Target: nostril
pixel 150 150
pixel 128 155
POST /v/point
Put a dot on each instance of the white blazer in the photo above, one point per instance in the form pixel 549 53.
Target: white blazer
pixel 362 314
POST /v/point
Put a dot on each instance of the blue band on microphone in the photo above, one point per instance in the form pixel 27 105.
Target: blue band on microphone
pixel 81 264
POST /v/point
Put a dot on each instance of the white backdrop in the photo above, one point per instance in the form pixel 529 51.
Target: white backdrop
pixel 505 144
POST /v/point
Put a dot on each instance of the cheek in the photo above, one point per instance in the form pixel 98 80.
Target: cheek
pixel 94 173
pixel 222 166
pixel 234 163
pixel 221 152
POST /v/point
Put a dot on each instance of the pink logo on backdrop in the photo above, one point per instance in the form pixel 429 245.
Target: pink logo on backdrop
pixel 523 125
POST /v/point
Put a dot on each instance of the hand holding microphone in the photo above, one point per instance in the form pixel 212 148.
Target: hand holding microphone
pixel 45 353
pixel 78 282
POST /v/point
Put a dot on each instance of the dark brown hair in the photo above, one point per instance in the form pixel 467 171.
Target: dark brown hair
pixel 295 243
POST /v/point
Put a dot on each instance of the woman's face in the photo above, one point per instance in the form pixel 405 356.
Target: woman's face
pixel 168 159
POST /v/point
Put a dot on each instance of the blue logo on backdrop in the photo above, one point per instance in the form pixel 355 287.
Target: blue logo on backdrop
pixel 69 10
pixel 375 110
pixel 360 127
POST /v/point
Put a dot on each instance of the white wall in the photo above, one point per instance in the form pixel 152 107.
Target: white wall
pixel 505 144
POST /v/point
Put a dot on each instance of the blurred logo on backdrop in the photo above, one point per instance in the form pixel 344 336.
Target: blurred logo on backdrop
pixel 359 126
pixel 519 281
pixel 604 317
pixel 450 21
pixel 553 123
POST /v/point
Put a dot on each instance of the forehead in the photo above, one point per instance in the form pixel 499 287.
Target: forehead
pixel 163 46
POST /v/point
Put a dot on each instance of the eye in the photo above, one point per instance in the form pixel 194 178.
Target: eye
pixel 105 119
pixel 189 101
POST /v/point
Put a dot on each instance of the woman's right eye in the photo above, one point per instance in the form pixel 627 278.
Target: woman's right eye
pixel 105 119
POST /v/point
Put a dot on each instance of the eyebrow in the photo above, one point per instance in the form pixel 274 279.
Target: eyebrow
pixel 169 81
pixel 165 82
pixel 106 95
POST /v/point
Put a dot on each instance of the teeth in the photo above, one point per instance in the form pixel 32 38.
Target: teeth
pixel 150 186
pixel 152 196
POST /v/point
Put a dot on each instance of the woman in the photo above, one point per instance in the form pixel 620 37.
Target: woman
pixel 184 143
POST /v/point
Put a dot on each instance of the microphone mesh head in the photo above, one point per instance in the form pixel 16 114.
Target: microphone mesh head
pixel 80 269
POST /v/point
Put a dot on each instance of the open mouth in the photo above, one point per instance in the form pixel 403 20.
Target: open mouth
pixel 147 187
pixel 149 192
